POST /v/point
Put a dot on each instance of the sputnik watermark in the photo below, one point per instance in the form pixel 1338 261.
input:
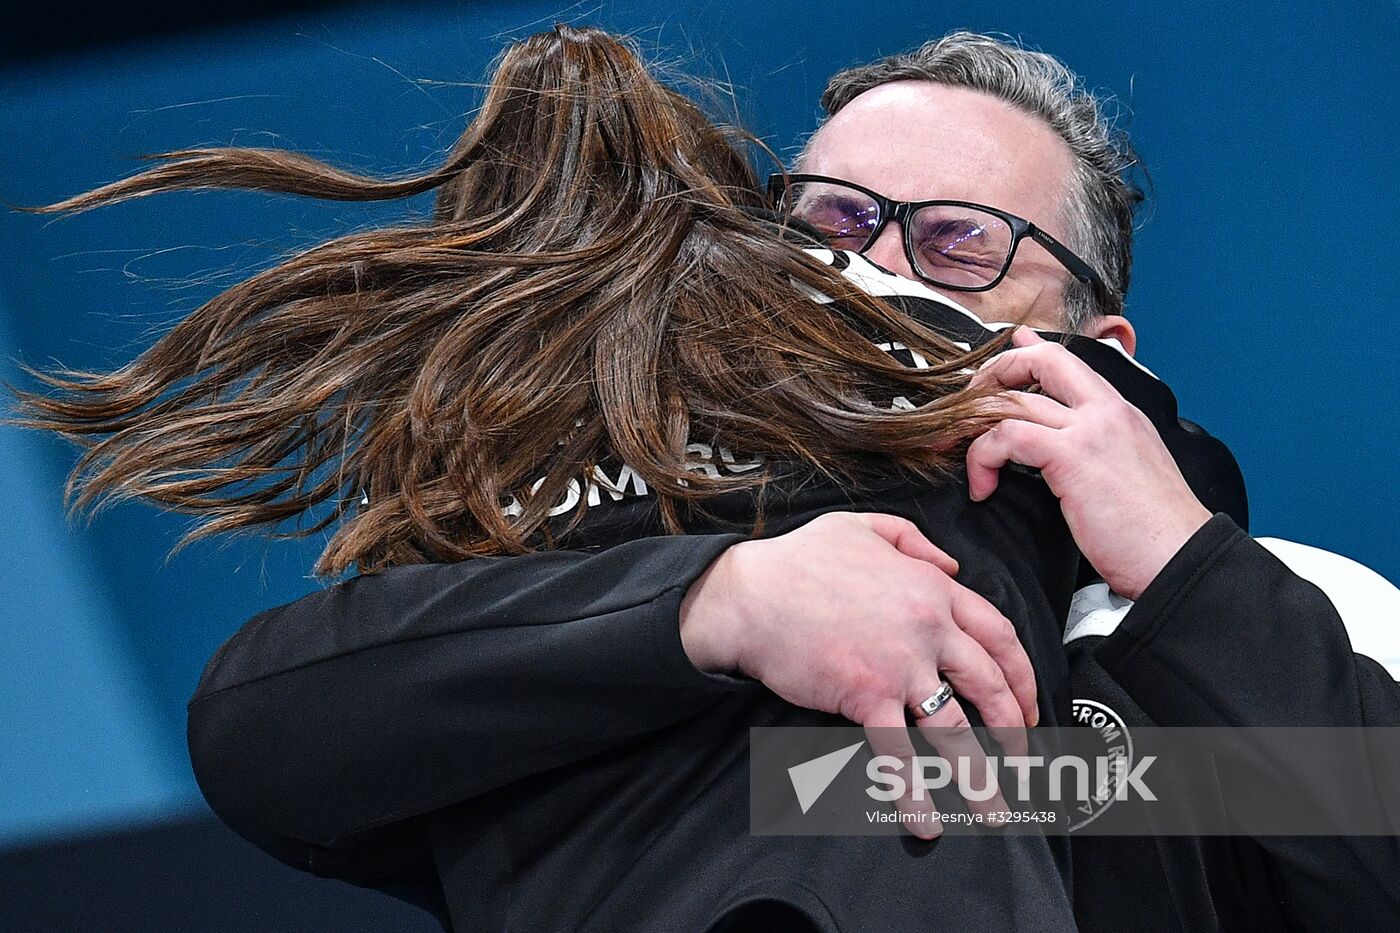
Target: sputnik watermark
pixel 888 784
pixel 1068 781
pixel 1094 778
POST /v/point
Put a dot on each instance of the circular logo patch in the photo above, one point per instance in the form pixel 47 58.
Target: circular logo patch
pixel 1113 748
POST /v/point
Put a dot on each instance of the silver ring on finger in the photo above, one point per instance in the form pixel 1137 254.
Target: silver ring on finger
pixel 936 701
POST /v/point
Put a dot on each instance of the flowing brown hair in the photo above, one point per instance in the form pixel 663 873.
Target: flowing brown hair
pixel 589 286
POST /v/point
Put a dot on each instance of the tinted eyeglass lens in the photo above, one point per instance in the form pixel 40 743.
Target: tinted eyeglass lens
pixel 844 215
pixel 959 246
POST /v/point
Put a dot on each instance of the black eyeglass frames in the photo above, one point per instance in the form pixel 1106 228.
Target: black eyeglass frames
pixel 953 244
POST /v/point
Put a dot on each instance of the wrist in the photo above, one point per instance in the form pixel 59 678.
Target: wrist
pixel 1158 547
pixel 709 623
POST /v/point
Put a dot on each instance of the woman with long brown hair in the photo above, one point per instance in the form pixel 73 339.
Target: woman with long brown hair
pixel 593 309
pixel 589 286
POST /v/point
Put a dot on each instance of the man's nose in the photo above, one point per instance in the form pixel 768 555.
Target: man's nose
pixel 888 251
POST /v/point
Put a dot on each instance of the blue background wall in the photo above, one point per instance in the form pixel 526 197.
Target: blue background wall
pixel 1265 288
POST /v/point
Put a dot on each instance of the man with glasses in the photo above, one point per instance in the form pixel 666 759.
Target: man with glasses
pixel 985 171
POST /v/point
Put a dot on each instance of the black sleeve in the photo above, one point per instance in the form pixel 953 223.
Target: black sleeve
pixel 1227 635
pixel 323 729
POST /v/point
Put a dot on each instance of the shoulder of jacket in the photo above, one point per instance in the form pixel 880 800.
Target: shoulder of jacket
pixel 1367 602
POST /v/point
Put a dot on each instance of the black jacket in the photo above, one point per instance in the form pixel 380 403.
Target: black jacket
pixel 522 744
pixel 1229 636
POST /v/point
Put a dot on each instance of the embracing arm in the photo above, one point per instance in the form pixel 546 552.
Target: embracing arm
pixel 1227 635
pixel 335 720
pixel 324 730
pixel 1222 633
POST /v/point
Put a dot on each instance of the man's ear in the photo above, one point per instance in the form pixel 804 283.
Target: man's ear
pixel 1115 326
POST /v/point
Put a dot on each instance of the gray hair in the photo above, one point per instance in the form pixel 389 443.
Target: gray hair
pixel 1099 210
